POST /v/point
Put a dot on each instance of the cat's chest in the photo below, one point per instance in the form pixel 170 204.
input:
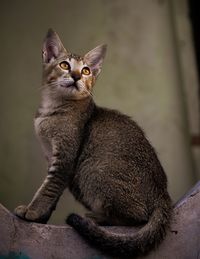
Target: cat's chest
pixel 37 124
pixel 50 125
pixel 44 141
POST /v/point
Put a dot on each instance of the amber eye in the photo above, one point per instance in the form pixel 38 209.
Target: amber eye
pixel 86 71
pixel 65 65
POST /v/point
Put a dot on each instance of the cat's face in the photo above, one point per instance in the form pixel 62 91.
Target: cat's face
pixel 68 75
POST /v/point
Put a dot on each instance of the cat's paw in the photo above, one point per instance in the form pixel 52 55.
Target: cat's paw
pixel 24 212
pixel 20 211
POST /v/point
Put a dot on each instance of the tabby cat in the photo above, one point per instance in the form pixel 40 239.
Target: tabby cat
pixel 100 155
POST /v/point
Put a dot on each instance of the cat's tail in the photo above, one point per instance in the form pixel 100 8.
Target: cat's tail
pixel 140 242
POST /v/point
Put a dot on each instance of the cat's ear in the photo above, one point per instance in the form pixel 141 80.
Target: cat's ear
pixel 95 57
pixel 52 46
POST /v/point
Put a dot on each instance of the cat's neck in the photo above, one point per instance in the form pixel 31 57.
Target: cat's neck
pixel 50 105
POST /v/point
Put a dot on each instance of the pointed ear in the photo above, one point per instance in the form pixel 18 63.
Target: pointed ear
pixel 95 57
pixel 52 46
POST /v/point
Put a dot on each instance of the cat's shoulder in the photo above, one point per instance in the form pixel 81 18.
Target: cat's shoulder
pixel 114 117
pixel 110 114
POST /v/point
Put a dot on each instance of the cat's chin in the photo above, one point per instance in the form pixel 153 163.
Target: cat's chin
pixel 69 89
pixel 67 86
pixel 73 93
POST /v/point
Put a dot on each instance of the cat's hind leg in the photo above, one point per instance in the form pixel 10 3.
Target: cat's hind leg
pixel 98 218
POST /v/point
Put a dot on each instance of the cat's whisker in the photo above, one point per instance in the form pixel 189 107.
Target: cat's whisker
pixel 89 92
pixel 86 90
pixel 47 85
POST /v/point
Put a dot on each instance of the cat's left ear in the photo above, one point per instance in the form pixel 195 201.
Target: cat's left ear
pixel 95 57
pixel 52 46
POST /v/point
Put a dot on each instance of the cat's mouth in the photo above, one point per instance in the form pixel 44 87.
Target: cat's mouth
pixel 70 85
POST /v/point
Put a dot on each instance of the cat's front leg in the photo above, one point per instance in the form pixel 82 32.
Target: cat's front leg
pixel 45 199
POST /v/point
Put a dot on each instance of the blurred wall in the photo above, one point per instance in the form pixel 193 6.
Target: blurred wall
pixel 140 77
pixel 187 71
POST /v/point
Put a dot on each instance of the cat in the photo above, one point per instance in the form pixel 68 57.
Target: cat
pixel 99 154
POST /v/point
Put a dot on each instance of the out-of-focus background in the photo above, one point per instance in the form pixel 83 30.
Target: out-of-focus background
pixel 150 73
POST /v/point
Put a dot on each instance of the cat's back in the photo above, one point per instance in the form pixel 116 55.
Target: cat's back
pixel 115 147
pixel 111 126
pixel 111 134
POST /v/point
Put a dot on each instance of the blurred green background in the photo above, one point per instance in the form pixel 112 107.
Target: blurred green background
pixel 149 73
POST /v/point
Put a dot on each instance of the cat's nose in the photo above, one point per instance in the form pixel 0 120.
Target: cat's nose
pixel 76 76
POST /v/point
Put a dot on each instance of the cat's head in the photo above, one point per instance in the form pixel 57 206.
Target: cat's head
pixel 68 75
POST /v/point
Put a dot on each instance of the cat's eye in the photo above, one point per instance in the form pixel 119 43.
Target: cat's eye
pixel 86 71
pixel 65 65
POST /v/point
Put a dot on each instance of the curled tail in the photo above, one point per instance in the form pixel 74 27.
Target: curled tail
pixel 134 244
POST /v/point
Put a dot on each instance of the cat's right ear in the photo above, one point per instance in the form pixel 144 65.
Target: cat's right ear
pixel 94 58
pixel 52 46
